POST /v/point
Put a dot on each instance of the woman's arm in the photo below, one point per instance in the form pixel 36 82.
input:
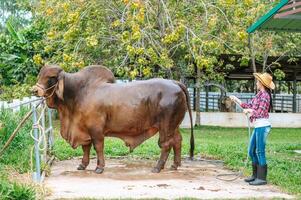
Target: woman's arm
pixel 238 101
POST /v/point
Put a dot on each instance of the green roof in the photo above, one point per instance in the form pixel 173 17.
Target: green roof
pixel 285 16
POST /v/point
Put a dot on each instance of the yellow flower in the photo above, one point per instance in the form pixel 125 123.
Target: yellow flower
pixel 51 34
pixel 248 2
pixel 133 73
pixel 242 35
pixel 66 58
pixel 47 48
pixel 131 50
pixel 70 34
pixel 116 23
pixel 141 61
pixel 79 64
pixel 136 35
pixel 49 11
pixel 140 15
pixel 139 51
pixel 147 72
pixel 73 17
pixel 230 2
pixel 92 41
pixel 37 59
pixel 65 6
pixel 212 22
pixel 135 28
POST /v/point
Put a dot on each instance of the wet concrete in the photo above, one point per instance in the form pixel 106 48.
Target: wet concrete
pixel 131 178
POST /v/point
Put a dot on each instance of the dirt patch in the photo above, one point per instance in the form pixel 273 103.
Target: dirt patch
pixel 130 178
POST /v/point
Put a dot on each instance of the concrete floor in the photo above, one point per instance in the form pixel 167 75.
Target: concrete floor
pixel 131 178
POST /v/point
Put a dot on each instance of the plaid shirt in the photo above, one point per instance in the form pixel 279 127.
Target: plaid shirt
pixel 260 105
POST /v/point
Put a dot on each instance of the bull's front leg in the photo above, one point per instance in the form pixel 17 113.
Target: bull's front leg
pixel 99 146
pixel 86 157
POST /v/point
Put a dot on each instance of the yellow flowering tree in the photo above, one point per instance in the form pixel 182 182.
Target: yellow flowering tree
pixel 150 38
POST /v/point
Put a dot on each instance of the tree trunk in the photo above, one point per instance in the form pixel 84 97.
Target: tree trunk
pixel 252 53
pixel 198 98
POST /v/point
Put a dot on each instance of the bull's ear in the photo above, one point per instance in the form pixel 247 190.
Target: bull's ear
pixel 60 87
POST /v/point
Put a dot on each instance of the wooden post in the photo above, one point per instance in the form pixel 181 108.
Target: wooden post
pixel 194 95
pixel 251 51
pixel 274 97
pixel 207 98
pixel 198 98
pixel 295 92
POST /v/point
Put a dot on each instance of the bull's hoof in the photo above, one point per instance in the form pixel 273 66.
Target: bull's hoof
pixel 99 170
pixel 81 167
pixel 174 167
pixel 156 170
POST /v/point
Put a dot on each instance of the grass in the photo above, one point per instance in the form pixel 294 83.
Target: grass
pixel 15 158
pixel 227 144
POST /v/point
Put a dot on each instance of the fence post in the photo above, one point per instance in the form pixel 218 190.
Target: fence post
pixel 295 93
pixel 282 104
pixel 37 176
pixel 207 100
pixel 274 99
pixel 50 138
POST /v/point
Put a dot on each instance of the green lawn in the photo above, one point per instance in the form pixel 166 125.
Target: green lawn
pixel 227 144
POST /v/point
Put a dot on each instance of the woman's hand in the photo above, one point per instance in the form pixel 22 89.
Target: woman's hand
pixel 248 111
pixel 235 99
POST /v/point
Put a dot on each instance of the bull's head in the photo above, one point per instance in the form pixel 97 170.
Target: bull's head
pixel 50 82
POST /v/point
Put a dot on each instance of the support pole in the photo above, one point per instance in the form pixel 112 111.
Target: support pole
pixel 251 50
pixel 194 95
pixel 207 98
pixel 274 98
pixel 295 92
pixel 37 176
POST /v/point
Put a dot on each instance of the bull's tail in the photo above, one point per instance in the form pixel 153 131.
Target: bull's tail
pixel 183 87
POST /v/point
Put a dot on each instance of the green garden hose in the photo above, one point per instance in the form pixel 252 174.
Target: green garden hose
pixel 240 173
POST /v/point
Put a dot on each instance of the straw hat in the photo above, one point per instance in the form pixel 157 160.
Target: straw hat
pixel 266 79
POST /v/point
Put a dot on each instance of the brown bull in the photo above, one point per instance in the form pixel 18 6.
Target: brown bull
pixel 91 106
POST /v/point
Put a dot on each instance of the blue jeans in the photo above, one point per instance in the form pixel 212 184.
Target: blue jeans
pixel 257 145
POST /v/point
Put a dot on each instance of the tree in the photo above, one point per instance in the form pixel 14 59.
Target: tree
pixel 152 38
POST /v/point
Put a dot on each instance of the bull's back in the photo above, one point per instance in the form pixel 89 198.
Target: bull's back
pixel 158 92
pixel 138 104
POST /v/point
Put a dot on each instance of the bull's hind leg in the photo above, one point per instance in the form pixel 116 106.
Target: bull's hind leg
pixel 99 145
pixel 86 157
pixel 165 146
pixel 177 145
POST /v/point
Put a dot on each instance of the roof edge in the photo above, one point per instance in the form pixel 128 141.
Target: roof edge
pixel 266 17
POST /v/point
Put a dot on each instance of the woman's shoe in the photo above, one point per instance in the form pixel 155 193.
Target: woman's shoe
pixel 261 176
pixel 254 173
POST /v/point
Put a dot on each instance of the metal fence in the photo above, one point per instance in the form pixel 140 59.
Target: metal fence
pixel 42 131
pixel 281 102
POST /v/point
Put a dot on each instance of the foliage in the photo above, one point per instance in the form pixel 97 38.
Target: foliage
pixel 156 38
pixel 18 61
pixel 20 146
pixel 16 8
pixel 14 92
pixel 227 144
pixel 138 39
pixel 16 157
pixel 15 191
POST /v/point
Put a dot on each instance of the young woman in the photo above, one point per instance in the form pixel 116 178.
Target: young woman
pixel 258 109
